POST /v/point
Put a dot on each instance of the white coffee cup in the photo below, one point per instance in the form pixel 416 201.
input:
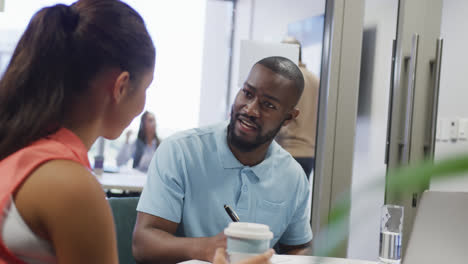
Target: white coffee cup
pixel 246 239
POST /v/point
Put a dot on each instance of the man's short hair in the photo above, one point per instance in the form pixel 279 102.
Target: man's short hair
pixel 286 68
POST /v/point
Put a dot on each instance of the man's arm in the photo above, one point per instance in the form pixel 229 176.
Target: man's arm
pixel 153 237
pixel 154 242
pixel 296 249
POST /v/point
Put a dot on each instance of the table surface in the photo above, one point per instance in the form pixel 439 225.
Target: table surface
pixel 134 180
pixel 292 259
pixel 125 179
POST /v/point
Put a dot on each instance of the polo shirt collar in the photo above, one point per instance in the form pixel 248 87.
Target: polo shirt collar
pixel 263 169
pixel 229 161
pixel 226 158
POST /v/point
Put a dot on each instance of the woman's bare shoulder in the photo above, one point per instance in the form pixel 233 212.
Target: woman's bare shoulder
pixel 63 200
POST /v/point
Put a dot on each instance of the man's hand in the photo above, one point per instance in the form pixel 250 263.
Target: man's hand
pixel 220 258
pixel 154 242
pixel 211 244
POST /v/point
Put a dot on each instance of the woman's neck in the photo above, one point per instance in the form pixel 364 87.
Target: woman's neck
pixel 87 122
pixel 149 140
pixel 87 134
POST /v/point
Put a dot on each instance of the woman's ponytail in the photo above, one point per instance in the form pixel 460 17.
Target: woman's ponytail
pixel 61 51
pixel 33 86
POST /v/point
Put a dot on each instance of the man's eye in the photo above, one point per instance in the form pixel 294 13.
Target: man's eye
pixel 269 105
pixel 247 93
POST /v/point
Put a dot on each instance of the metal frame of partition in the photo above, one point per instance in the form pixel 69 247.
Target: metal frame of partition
pixel 231 48
pixel 339 86
pixel 320 207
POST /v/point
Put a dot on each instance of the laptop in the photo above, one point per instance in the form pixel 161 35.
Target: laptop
pixel 440 230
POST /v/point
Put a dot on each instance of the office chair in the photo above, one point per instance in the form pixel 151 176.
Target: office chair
pixel 124 211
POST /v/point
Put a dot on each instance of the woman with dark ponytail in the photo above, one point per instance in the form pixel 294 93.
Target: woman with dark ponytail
pixel 77 73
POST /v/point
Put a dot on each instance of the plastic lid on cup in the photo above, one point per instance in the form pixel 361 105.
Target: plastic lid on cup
pixel 248 231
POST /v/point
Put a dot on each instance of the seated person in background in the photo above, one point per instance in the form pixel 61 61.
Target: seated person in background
pixel 145 145
pixel 194 173
pixel 298 137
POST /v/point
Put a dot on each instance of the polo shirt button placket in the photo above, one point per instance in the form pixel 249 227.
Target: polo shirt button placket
pixel 243 201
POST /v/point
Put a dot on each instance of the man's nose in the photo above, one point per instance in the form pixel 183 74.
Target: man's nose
pixel 252 108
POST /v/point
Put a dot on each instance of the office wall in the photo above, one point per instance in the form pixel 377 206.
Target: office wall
pixel 245 14
pixel 264 20
pixel 267 20
pixel 177 29
pixel 453 85
pixel 380 21
pixel 270 21
pixel 14 17
pixel 214 86
pixel 453 91
pixel 17 13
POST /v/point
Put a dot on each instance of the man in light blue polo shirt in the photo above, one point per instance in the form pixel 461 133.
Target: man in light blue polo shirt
pixel 195 173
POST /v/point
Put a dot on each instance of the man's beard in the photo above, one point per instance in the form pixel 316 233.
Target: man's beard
pixel 245 146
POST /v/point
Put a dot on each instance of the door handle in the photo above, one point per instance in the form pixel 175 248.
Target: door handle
pixel 390 104
pixel 410 100
pixel 435 102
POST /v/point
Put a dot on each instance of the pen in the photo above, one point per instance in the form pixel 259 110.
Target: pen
pixel 231 213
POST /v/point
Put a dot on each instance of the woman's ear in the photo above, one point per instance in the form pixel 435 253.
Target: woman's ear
pixel 121 86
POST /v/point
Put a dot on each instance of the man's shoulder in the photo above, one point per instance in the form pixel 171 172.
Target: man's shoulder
pixel 285 161
pixel 284 166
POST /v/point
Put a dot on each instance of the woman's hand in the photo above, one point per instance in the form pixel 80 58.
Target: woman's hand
pixel 220 257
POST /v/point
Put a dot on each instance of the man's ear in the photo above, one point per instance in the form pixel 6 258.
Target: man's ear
pixel 121 86
pixel 291 116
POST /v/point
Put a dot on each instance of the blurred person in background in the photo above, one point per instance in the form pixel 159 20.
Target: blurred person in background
pixel 145 145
